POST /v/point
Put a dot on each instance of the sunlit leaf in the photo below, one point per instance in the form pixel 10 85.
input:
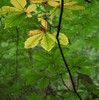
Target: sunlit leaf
pixel 19 4
pixel 76 7
pixel 33 41
pixel 8 9
pixel 63 39
pixel 33 32
pixel 31 8
pixel 70 3
pixel 53 3
pixel 47 42
pixel 37 1
pixel 52 13
pixel 44 23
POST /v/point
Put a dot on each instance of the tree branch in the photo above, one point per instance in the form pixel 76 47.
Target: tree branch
pixel 67 67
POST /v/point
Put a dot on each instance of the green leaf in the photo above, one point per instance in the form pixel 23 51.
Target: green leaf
pixel 52 13
pixel 43 83
pixel 14 19
pixel 71 96
pixel 34 77
pixel 90 87
pixel 67 14
pixel 4 44
pixel 35 96
pixel 42 60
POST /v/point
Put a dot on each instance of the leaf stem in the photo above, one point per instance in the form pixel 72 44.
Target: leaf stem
pixel 65 62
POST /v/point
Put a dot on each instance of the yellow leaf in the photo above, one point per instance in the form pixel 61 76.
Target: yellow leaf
pixel 47 42
pixel 44 23
pixel 53 13
pixel 52 37
pixel 40 15
pixel 53 3
pixel 37 1
pixel 34 32
pixel 40 19
pixel 70 3
pixel 28 15
pixel 8 9
pixel 66 0
pixel 77 7
pixel 33 41
pixel 31 8
pixel 19 4
pixel 63 39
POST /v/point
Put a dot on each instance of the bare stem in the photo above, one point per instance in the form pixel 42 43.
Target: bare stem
pixel 65 62
pixel 64 82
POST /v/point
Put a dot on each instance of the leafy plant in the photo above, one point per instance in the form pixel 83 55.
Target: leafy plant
pixel 66 67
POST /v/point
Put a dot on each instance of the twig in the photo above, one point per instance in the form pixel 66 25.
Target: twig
pixel 89 1
pixel 50 28
pixel 64 82
pixel 67 67
pixel 30 55
pixel 51 24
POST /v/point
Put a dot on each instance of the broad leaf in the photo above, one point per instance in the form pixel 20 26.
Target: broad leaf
pixel 14 19
pixel 53 3
pixel 47 42
pixel 8 9
pixel 31 8
pixel 44 23
pixel 63 39
pixel 33 41
pixel 34 32
pixel 43 83
pixel 19 4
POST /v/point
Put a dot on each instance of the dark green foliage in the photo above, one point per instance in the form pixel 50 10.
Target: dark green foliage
pixel 35 74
